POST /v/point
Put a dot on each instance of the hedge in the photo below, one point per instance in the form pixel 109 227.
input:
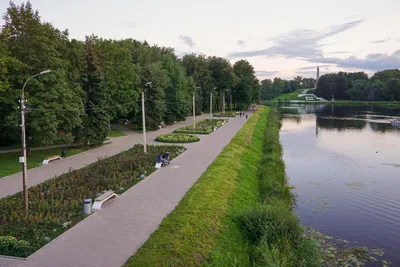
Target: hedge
pixel 177 138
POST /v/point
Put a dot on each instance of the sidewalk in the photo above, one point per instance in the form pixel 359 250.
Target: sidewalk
pixel 12 184
pixel 110 236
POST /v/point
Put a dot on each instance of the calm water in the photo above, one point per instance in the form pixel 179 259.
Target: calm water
pixel 345 165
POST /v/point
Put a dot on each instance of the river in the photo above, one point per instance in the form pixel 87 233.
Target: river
pixel 344 163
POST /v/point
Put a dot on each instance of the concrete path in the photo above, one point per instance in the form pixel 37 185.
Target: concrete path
pixel 12 184
pixel 110 236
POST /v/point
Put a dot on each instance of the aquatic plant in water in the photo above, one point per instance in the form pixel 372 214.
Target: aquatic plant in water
pixel 339 252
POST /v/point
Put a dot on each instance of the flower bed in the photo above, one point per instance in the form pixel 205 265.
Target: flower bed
pixel 226 114
pixel 177 138
pixel 56 204
pixel 204 126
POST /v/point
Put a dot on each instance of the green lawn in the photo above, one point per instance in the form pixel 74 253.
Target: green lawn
pixel 9 163
pixel 115 133
pixel 187 236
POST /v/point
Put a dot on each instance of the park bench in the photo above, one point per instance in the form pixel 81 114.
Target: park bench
pixel 48 159
pixel 103 198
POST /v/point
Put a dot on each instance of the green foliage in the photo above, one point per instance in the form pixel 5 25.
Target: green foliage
pixel 55 205
pixel 204 126
pixel 188 234
pixel 246 89
pixel 382 86
pixel 226 114
pixel 177 138
pixel 10 245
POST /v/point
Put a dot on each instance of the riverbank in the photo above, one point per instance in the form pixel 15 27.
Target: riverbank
pixel 220 221
pixel 335 103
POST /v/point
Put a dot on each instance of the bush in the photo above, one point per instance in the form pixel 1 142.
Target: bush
pixel 59 200
pixel 204 126
pixel 9 245
pixel 177 138
pixel 272 222
pixel 226 114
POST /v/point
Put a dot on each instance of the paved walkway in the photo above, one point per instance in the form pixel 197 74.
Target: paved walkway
pixel 110 236
pixel 12 184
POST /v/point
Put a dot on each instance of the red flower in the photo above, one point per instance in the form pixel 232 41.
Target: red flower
pixel 16 236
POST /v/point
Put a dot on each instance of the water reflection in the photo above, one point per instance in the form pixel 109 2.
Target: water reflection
pixel 345 165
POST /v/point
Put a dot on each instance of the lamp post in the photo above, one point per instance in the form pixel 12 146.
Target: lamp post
pixel 144 118
pixel 23 159
pixel 223 100
pixel 211 102
pixel 194 108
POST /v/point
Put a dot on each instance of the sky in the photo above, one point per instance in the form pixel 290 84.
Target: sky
pixel 279 38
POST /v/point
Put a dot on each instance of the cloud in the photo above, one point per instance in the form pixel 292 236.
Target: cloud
pixel 338 52
pixel 381 41
pixel 298 43
pixel 314 67
pixel 263 73
pixel 131 24
pixel 241 43
pixel 187 40
pixel 309 73
pixel 374 62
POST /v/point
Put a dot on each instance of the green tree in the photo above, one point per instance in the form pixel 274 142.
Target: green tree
pixel 95 124
pixel 244 90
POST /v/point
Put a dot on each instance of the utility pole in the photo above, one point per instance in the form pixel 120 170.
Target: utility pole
pixel 223 102
pixel 144 119
pixel 211 103
pixel 23 159
pixel 194 112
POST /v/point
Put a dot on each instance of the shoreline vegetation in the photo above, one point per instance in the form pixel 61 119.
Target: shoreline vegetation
pixel 248 223
pixel 336 103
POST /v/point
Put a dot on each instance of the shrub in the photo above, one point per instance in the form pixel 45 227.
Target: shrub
pixel 177 138
pixel 204 126
pixel 9 245
pixel 271 222
pixel 226 114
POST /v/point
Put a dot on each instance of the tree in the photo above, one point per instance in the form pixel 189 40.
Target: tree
pixel 243 92
pixel 222 76
pixel 267 92
pixel 95 124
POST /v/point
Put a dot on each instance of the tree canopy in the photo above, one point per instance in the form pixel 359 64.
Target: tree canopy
pixel 96 81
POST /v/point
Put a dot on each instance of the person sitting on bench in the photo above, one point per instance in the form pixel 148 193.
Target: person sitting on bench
pixel 165 157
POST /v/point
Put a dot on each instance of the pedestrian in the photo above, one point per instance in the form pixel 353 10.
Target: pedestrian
pixel 240 114
pixel 246 116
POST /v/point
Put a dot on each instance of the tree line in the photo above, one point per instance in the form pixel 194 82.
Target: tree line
pixel 382 86
pixel 97 81
pixel 276 87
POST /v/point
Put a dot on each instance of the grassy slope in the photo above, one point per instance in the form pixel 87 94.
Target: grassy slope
pixel 231 248
pixel 293 95
pixel 188 234
pixel 9 163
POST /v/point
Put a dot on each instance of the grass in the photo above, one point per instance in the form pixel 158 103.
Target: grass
pixel 115 133
pixel 232 248
pixel 274 232
pixel 291 96
pixel 188 234
pixel 9 163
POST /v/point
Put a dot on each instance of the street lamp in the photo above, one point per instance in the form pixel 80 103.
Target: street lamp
pixel 211 102
pixel 148 84
pixel 194 108
pixel 23 159
pixel 223 100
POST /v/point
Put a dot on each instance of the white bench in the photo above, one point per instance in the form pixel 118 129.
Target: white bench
pixel 48 159
pixel 103 198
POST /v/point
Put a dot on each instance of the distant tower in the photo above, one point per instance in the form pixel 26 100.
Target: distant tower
pixel 316 81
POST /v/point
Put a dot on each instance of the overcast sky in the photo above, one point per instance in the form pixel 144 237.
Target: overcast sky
pixel 279 38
